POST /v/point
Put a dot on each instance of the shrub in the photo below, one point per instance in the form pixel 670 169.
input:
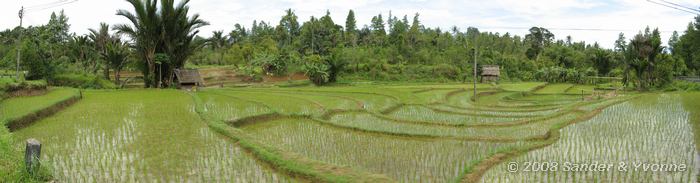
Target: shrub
pixel 316 69
pixel 9 85
pixel 682 86
pixel 272 64
pixel 251 73
pixel 446 71
pixel 82 81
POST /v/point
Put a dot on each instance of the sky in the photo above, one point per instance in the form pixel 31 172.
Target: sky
pixel 610 17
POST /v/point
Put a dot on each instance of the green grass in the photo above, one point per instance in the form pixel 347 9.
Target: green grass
pixel 14 108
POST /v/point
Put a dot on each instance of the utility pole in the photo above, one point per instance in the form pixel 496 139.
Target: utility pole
pixel 475 76
pixel 19 42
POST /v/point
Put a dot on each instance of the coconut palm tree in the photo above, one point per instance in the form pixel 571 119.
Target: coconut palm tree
pixel 101 38
pixel 219 43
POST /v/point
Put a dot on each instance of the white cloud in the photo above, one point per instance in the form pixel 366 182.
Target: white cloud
pixel 495 15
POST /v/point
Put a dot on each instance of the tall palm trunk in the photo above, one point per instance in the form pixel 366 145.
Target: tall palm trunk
pixel 105 71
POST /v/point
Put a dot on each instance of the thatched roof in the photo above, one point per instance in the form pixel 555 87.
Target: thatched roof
pixel 490 70
pixel 188 76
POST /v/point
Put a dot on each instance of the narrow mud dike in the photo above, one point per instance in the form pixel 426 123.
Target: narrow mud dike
pixel 29 119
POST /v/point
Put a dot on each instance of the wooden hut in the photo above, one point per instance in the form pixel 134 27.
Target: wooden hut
pixel 490 73
pixel 188 78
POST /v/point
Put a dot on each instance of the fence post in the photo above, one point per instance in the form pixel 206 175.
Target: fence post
pixel 31 155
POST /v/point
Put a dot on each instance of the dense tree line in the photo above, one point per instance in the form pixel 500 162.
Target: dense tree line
pixel 50 51
pixel 393 48
pixel 163 37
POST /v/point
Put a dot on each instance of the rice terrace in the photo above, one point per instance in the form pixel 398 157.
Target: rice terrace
pixel 152 98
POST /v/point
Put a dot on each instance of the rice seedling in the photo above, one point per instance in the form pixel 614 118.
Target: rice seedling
pixel 581 89
pixel 404 159
pixel 690 103
pixel 554 89
pixel 407 133
pixel 229 108
pixel 493 112
pixel 372 123
pixel 650 135
pixel 443 86
pixel 327 102
pixel 14 108
pixel 138 136
pixel 521 87
pixel 420 113
pixel 277 103
pixel 436 95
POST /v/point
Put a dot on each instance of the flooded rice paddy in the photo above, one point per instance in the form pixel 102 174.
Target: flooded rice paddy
pixel 140 136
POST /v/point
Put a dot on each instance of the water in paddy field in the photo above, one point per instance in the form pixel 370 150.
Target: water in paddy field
pixel 639 138
pixel 403 159
pixel 135 137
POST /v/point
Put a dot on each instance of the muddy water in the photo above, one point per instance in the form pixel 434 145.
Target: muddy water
pixel 140 136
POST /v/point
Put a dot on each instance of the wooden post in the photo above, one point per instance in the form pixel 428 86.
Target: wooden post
pixel 31 156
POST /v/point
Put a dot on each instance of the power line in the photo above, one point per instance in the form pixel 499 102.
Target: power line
pixel 678 5
pixel 50 5
pixel 669 6
pixel 45 5
pixel 564 29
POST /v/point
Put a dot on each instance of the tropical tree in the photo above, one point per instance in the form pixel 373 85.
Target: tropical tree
pixel 538 38
pixel 83 53
pixel 288 29
pixel 642 53
pixel 101 38
pixel 219 43
pixel 351 29
pixel 602 60
pixel 145 33
pixel 179 31
pixel 116 55
pixel 168 30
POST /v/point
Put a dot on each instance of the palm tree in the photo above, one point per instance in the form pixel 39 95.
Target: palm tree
pixel 83 51
pixel 145 34
pixel 101 38
pixel 219 43
pixel 116 56
pixel 165 30
pixel 177 35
